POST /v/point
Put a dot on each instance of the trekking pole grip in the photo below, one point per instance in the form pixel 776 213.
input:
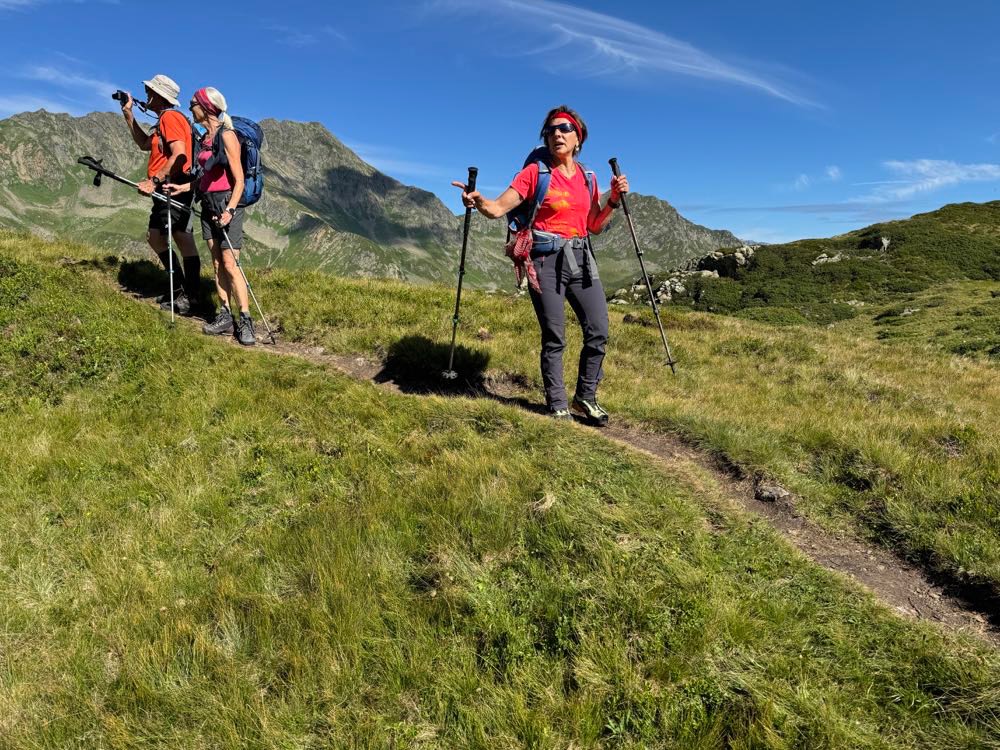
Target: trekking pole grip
pixel 473 172
pixel 616 171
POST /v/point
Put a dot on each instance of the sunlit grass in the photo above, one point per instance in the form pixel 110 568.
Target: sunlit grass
pixel 207 547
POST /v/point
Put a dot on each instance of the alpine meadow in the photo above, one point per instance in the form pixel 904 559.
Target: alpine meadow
pixel 292 455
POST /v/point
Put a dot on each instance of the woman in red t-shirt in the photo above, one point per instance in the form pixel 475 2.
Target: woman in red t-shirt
pixel 562 259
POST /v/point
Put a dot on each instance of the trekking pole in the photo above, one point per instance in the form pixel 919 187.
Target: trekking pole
pixel 642 266
pixel 96 164
pixel 247 282
pixel 100 169
pixel 450 373
pixel 170 261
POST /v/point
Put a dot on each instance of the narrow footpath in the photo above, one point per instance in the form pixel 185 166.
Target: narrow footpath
pixel 903 587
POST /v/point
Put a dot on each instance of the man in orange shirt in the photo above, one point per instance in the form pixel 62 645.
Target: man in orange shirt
pixel 169 147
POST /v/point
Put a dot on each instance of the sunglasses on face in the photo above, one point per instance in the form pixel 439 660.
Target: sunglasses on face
pixel 562 127
pixel 192 105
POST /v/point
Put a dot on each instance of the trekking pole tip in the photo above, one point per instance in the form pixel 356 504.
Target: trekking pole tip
pixel 449 375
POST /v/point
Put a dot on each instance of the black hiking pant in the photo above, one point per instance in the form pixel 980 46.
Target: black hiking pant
pixel 585 295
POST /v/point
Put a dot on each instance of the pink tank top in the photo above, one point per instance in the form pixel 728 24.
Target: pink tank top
pixel 217 179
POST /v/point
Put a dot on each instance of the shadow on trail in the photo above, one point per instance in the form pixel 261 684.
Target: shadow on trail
pixel 415 364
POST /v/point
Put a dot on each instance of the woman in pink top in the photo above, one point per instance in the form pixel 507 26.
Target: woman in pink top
pixel 220 189
pixel 563 263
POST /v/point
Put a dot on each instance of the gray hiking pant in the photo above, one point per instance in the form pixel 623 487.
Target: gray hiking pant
pixel 578 283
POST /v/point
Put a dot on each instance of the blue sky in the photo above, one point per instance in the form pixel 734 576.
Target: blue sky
pixel 774 119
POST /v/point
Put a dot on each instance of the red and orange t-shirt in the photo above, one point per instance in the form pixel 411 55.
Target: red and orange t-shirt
pixel 175 127
pixel 567 203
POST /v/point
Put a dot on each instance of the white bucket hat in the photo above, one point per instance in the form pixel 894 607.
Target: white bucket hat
pixel 165 87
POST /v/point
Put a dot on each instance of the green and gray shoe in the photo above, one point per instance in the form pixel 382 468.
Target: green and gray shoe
pixel 561 414
pixel 591 411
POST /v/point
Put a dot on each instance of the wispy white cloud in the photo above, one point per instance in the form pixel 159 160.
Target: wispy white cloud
pixel 15 103
pixel 25 4
pixel 294 37
pixel 805 181
pixel 597 44
pixel 393 162
pixel 68 80
pixel 854 211
pixel 926 175
pixel 764 234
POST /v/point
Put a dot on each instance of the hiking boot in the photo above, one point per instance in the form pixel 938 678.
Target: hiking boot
pixel 561 415
pixel 244 330
pixel 182 305
pixel 222 324
pixel 591 411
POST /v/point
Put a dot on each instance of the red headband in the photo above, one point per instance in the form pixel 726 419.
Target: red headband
pixel 201 96
pixel 567 116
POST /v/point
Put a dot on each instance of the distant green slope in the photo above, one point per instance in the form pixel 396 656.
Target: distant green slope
pixel 790 282
pixel 210 547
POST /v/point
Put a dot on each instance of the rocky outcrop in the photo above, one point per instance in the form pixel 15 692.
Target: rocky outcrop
pixel 676 284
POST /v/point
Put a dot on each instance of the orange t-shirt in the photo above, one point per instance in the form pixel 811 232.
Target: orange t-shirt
pixel 175 127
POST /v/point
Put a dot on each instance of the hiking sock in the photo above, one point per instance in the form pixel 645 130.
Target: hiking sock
pixel 178 271
pixel 192 278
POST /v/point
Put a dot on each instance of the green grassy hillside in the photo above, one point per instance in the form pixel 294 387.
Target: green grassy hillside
pixel 211 547
pixel 896 441
pixel 785 283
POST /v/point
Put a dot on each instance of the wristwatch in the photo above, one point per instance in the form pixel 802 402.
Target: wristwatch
pixel 230 211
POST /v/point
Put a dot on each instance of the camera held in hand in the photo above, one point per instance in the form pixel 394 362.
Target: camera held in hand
pixel 120 96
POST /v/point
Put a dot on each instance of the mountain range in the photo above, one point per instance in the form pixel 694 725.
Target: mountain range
pixel 323 207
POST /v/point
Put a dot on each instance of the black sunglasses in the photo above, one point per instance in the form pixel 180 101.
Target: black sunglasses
pixel 562 127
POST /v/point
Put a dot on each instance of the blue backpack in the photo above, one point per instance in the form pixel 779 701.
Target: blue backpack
pixel 523 215
pixel 251 139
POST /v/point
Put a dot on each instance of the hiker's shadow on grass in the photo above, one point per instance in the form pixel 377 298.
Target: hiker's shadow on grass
pixel 415 364
pixel 140 277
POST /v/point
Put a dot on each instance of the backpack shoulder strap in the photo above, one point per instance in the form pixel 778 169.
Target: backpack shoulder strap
pixel 541 189
pixel 219 155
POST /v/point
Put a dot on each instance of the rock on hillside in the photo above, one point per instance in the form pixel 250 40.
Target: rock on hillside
pixel 666 238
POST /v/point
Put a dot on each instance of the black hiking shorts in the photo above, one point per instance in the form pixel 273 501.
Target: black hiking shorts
pixel 181 218
pixel 212 205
